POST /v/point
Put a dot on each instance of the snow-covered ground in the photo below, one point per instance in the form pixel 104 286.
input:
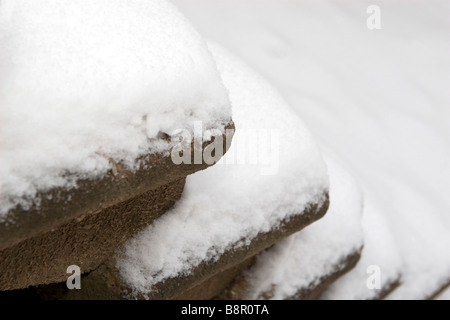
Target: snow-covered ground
pixel 378 98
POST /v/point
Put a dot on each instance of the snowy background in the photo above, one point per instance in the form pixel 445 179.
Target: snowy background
pixel 380 99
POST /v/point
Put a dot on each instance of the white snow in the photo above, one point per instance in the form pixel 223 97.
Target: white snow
pixel 231 203
pixel 85 81
pixel 378 98
pixel 380 250
pixel 302 260
pixel 444 295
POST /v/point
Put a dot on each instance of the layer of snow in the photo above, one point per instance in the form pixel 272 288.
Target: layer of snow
pixel 233 201
pixel 300 261
pixel 378 98
pixel 445 295
pixel 84 81
pixel 380 251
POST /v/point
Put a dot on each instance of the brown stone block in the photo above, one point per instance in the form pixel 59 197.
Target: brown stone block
pixel 85 241
pixel 238 289
pixel 106 282
pixel 84 226
pixel 60 205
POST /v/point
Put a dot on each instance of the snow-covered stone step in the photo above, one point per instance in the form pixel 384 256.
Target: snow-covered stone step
pixel 108 282
pixel 231 211
pixel 87 235
pixel 85 242
pixel 393 130
pixel 86 92
pixel 380 268
pixel 212 287
pixel 89 105
pixel 440 292
pixel 97 285
pixel 303 265
pixel 444 294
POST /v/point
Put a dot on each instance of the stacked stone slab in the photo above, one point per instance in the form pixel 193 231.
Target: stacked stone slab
pixel 205 281
pixel 88 226
pixel 305 264
pixel 84 226
pixel 206 276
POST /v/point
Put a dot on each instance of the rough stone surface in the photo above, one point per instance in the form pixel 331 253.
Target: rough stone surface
pixel 387 289
pixel 313 292
pixel 59 206
pixel 105 282
pixel 237 290
pixel 85 241
pixel 84 226
pixel 213 286
pixel 438 291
